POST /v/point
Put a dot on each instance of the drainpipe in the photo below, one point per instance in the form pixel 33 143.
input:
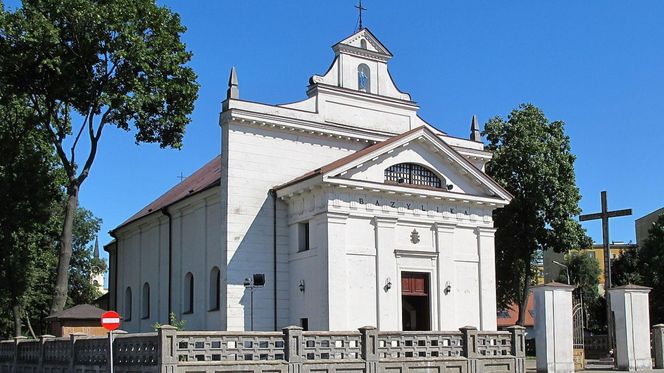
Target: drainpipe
pixel 274 251
pixel 170 261
pixel 115 265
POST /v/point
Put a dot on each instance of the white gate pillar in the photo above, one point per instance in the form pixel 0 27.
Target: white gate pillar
pixel 629 304
pixel 554 328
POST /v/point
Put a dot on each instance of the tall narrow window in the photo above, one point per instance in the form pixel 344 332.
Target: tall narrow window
pixel 127 304
pixel 413 174
pixel 145 302
pixel 303 236
pixel 363 78
pixel 188 293
pixel 215 283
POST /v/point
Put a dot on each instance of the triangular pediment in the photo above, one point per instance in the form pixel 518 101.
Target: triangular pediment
pixel 365 169
pixel 362 40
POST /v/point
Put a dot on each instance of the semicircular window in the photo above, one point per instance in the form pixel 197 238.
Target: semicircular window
pixel 412 174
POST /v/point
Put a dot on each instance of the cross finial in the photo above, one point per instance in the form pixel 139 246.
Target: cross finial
pixel 181 177
pixel 360 8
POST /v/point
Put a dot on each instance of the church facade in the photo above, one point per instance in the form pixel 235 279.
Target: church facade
pixel 349 207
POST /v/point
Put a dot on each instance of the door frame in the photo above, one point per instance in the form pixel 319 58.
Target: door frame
pixel 422 262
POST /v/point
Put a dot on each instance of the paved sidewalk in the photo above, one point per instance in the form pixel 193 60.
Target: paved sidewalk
pixel 593 366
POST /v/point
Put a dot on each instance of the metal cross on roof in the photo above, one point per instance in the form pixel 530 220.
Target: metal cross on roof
pixel 360 8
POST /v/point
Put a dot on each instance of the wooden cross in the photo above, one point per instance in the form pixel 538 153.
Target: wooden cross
pixel 605 215
pixel 360 9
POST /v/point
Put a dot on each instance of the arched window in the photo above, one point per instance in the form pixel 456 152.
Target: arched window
pixel 412 174
pixel 363 78
pixel 145 301
pixel 215 283
pixel 363 44
pixel 188 300
pixel 127 304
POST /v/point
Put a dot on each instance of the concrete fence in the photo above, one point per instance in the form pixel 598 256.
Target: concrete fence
pixel 290 351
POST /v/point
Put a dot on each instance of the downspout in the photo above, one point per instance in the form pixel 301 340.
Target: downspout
pixel 273 192
pixel 170 261
pixel 115 265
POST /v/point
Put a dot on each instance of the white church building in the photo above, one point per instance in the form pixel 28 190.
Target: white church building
pixel 353 208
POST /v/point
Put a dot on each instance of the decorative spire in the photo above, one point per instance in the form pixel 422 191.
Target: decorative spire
pixel 96 251
pixel 233 90
pixel 475 130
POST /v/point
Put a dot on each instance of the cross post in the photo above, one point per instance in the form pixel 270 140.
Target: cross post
pixel 181 177
pixel 605 215
pixel 360 8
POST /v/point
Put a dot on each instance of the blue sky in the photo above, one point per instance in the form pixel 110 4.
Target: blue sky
pixel 597 65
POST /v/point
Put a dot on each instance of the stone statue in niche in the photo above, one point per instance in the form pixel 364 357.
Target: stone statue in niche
pixel 363 78
pixel 415 236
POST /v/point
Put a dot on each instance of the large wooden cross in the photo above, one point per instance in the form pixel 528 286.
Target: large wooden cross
pixel 604 216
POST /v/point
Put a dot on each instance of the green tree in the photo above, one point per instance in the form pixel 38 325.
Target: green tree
pixel 651 269
pixel 584 272
pixel 532 159
pixel 86 65
pixel 28 191
pixel 625 268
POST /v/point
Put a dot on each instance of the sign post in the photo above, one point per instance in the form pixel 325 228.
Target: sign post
pixel 110 321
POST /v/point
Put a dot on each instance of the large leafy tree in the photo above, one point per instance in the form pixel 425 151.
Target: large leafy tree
pixel 625 268
pixel 28 189
pixel 532 159
pixel 85 65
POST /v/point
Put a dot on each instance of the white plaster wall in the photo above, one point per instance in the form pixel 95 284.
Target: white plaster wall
pixel 143 257
pixel 255 159
pixel 554 329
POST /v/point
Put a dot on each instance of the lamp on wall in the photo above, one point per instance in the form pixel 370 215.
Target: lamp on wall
pixel 388 284
pixel 448 288
pixel 301 286
pixel 450 186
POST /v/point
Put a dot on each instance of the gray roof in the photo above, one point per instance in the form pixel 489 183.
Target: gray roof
pixel 80 312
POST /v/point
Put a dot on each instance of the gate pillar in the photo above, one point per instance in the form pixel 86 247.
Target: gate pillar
pixel 629 304
pixel 554 328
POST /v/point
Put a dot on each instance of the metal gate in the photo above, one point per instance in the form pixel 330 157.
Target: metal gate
pixel 578 331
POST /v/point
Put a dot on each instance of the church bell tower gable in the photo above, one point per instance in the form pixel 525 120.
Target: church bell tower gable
pixel 361 65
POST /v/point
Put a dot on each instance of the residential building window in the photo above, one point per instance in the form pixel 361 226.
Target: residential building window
pixel 188 300
pixel 215 284
pixel 412 174
pixel 303 236
pixel 145 307
pixel 127 304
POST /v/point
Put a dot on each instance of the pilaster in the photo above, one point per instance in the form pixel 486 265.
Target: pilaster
pixel 446 275
pixel 387 314
pixel 487 277
pixel 336 271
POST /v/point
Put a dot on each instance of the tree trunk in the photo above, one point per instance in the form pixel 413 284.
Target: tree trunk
pixel 16 310
pixel 523 301
pixel 62 278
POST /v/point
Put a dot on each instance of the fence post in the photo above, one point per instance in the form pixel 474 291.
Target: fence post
pixel 292 345
pixel 369 350
pixel 658 345
pixel 469 335
pixel 167 337
pixel 72 352
pixel 17 341
pixel 42 341
pixel 518 345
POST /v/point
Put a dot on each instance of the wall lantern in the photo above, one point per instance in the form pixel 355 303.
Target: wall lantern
pixel 388 284
pixel 301 286
pixel 448 288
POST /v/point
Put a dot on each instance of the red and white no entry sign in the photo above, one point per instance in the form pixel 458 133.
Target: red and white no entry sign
pixel 110 320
